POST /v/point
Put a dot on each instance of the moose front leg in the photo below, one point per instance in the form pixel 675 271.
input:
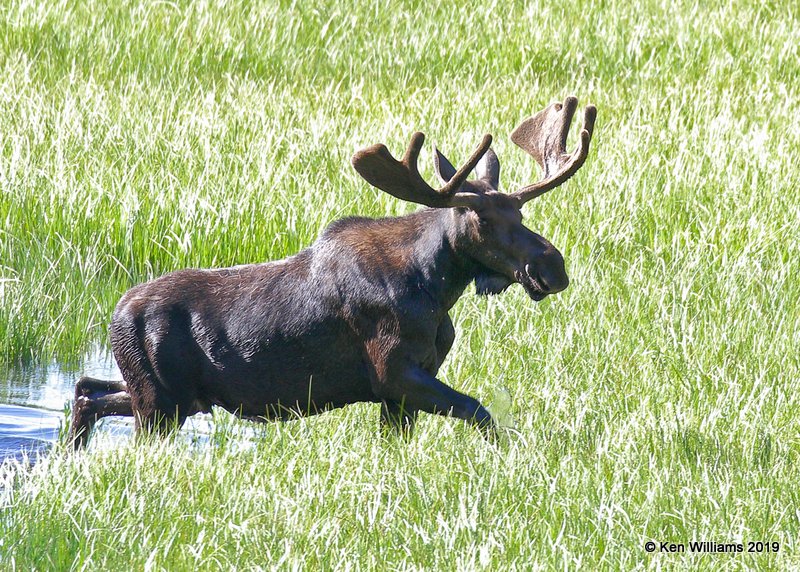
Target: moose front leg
pixel 418 390
pixel 397 418
pixel 445 336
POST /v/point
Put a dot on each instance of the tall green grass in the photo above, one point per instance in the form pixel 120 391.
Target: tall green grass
pixel 657 396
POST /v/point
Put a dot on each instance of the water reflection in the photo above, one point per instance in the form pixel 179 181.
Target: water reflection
pixel 27 432
pixel 52 385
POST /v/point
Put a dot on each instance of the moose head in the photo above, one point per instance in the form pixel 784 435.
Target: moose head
pixel 487 223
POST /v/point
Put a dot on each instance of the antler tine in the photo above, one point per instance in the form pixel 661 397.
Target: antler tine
pixel 461 175
pixel 402 179
pixel 544 137
pixel 412 155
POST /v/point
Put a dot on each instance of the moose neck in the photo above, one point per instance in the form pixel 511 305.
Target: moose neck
pixel 445 271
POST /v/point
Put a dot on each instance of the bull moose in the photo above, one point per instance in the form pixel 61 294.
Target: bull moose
pixel 359 316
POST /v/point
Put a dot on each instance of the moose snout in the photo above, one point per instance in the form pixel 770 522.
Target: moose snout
pixel 553 275
pixel 554 281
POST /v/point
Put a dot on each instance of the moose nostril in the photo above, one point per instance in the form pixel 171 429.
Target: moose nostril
pixel 543 283
pixel 553 282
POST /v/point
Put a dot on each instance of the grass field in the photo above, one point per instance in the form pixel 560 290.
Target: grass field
pixel 657 398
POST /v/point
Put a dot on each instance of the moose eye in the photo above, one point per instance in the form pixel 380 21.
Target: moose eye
pixel 484 222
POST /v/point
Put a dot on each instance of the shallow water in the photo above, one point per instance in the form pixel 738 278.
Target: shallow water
pixel 33 400
pixel 26 431
pixel 52 385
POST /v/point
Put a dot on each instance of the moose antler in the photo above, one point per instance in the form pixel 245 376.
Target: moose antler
pixel 544 137
pixel 401 179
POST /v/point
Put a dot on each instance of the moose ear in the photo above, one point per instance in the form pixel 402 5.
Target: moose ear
pixel 488 169
pixel 444 169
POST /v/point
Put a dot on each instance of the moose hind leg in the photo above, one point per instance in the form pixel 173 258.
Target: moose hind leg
pixel 94 399
pixel 159 366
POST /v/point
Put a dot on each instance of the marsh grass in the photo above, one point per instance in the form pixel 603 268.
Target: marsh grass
pixel 656 398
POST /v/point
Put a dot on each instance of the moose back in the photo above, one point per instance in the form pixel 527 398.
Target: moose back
pixel 359 316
